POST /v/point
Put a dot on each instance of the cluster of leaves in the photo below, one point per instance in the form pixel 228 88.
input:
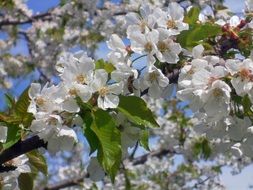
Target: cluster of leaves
pixel 104 135
pixel 198 33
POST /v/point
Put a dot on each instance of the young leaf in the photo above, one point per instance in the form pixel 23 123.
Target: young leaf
pixel 136 110
pixel 38 161
pixel 13 136
pixel 192 16
pixel 10 101
pixel 144 139
pixel 22 103
pixel 25 181
pixel 197 33
pixel 109 151
pixel 101 64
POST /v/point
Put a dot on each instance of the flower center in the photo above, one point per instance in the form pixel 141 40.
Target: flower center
pixel 103 91
pixel 52 121
pixel 81 79
pixel 40 101
pixel 171 24
pixel 162 46
pixel 191 71
pixel 148 47
pixel 73 92
pixel 217 92
pixel 153 76
pixel 245 74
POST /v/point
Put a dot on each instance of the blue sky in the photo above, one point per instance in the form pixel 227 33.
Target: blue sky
pixel 236 182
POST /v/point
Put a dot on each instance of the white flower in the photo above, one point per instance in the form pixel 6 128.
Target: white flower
pixel 155 81
pixel 116 44
pixel 242 73
pixel 168 50
pixel 120 53
pixel 197 51
pixel 68 94
pixel 95 171
pixel 204 77
pixel 217 100
pixel 51 129
pixel 186 73
pixel 76 77
pixel 234 21
pixel 80 70
pixel 43 99
pixel 238 129
pixel 64 139
pixel 107 94
pixel 202 86
pixel 141 23
pixel 127 75
pixel 171 22
pixel 9 180
pixel 145 43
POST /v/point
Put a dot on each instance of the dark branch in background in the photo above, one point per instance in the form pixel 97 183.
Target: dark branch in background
pixel 47 16
pixel 136 161
pixel 43 16
pixel 158 153
pixel 66 183
pixel 201 182
pixel 21 147
pixel 29 42
pixel 131 157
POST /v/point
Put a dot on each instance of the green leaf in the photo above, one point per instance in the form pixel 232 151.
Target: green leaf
pixel 202 148
pixel 21 107
pixel 217 169
pixel 101 64
pixel 10 101
pixel 89 134
pixel 192 16
pixel 25 181
pixel 18 111
pixel 13 136
pixel 246 104
pixel 38 161
pixel 197 33
pixel 23 103
pixel 144 139
pixel 136 110
pixel 109 151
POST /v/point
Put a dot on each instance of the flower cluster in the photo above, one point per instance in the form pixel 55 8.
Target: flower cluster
pixel 212 86
pixel 218 87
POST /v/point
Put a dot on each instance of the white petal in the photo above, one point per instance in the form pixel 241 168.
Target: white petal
pixel 34 90
pixel 3 134
pixel 111 101
pixel 115 42
pixel 95 170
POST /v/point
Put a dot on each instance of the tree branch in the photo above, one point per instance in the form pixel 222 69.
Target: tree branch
pixel 21 147
pixel 44 16
pixel 136 161
pixel 158 153
pixel 66 183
